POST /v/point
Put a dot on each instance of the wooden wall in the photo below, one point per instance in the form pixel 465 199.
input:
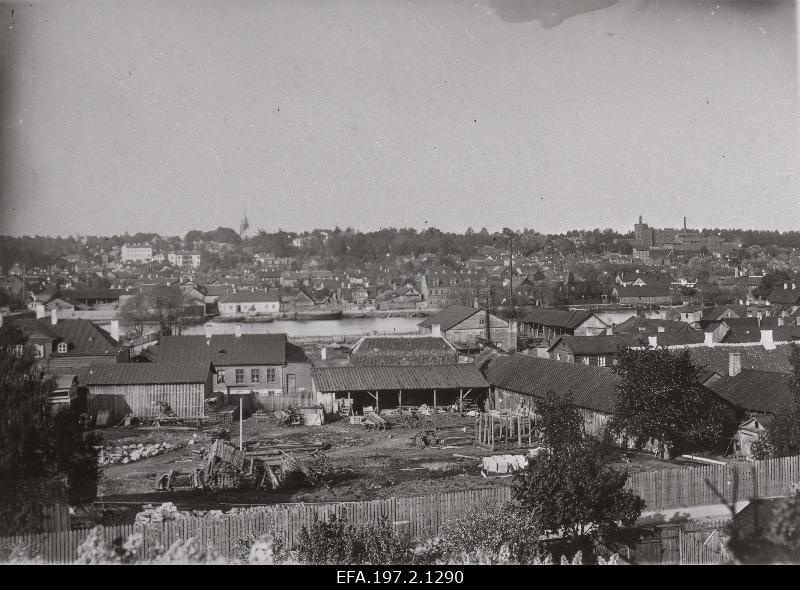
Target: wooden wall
pixel 186 399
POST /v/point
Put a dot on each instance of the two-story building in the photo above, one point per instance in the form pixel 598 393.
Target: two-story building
pixel 270 372
pixel 465 327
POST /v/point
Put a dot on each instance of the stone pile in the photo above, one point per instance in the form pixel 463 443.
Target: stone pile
pixel 131 453
pixel 168 511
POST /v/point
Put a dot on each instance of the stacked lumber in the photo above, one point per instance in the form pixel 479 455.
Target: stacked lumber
pixel 271 452
pixel 372 420
pixel 457 436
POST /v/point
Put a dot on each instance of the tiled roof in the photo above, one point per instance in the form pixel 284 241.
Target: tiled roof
pixel 755 391
pixel 403 350
pixel 252 297
pixel 650 326
pixel 593 388
pixel 456 376
pixel 715 313
pixel 94 293
pixel 148 373
pixel 450 316
pixel 650 290
pixel 558 318
pixel 749 330
pixel 785 296
pixel 716 358
pixel 599 345
pixel 82 336
pixel 225 349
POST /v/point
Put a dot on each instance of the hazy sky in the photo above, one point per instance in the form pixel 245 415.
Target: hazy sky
pixel 551 114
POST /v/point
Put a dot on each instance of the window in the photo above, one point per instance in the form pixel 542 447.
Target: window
pixel 271 376
pixel 586 360
pixel 62 347
pixel 221 377
pixel 601 361
pixel 255 376
pixel 482 321
pixel 239 375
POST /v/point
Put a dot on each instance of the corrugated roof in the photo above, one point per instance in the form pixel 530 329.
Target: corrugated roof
pixel 755 391
pixel 450 316
pixel 148 373
pixel 225 349
pixel 561 319
pixel 455 376
pixel 593 388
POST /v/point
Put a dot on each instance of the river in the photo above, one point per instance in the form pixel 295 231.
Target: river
pixel 346 326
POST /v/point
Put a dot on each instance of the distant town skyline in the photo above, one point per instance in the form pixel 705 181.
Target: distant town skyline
pixel 172 115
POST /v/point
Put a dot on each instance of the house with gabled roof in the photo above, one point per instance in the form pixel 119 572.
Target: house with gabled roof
pixel 403 350
pixel 548 324
pixel 464 327
pixel 250 303
pixel 270 372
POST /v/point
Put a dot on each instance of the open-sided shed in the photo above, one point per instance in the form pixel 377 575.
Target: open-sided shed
pixel 395 386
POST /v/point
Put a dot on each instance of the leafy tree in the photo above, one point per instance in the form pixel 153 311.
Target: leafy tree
pixel 560 423
pixel 658 398
pixel 167 303
pixel 134 312
pixel 35 449
pixel 782 438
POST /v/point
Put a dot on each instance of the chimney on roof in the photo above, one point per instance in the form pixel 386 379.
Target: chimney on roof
pixel 609 331
pixel 237 330
pixel 114 331
pixel 766 340
pixel 436 330
pixel 661 329
pixel 323 354
pixel 734 363
pixel 780 320
pixel 708 338
pixel 760 316
pixel 653 341
pixel 208 331
pixel 54 316
pixel 39 311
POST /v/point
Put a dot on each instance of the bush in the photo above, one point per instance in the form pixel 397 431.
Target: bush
pixel 485 530
pixel 340 542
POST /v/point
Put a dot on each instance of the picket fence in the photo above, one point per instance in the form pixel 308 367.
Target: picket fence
pixel 689 486
pixel 422 516
pixel 419 516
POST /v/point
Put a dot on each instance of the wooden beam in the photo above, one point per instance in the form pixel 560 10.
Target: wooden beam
pixel 377 402
pixel 375 397
pixel 400 399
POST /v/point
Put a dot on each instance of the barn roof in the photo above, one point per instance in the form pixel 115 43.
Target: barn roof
pixel 450 316
pixel 561 319
pixel 455 376
pixel 148 373
pixel 226 349
pixel 83 336
pixel 592 387
pixel 755 391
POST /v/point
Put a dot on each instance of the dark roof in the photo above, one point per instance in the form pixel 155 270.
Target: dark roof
pixel 593 388
pixel 561 319
pixel 716 358
pixel 226 349
pixel 450 316
pixel 82 336
pixel 749 330
pixel 93 293
pixel 295 354
pixel 599 345
pixel 649 290
pixel 715 313
pixel 781 295
pixel 392 344
pixel 649 326
pixel 252 297
pixel 455 376
pixel 148 373
pixel 755 391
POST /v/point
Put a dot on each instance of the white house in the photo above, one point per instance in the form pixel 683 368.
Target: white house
pixel 250 302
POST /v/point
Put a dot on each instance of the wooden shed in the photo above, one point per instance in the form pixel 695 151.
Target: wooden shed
pixel 135 388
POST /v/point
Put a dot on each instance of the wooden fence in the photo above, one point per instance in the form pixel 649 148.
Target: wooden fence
pixel 419 516
pixel 677 488
pixel 687 543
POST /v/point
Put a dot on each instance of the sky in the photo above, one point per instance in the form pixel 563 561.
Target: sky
pixel 168 116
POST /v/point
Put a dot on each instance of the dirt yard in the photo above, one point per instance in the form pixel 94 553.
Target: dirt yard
pixel 367 465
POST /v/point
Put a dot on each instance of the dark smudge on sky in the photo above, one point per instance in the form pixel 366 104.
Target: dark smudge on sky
pixel 550 13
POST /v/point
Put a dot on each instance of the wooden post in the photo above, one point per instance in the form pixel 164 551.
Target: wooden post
pixel 434 403
pixel 241 421
pixel 377 402
pixel 519 430
pixel 400 400
pixel 461 400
